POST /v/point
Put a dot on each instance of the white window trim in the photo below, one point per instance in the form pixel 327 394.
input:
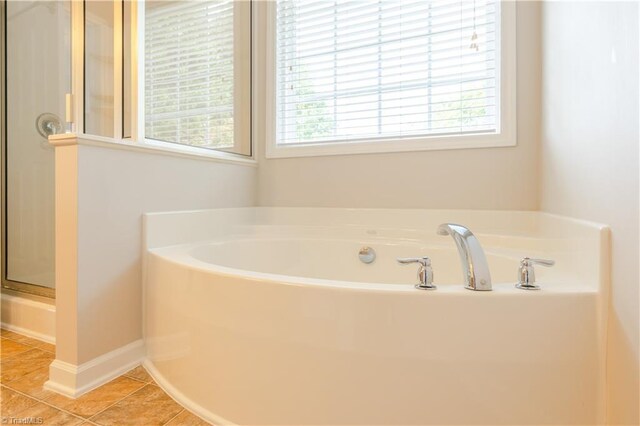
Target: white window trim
pixel 505 138
pixel 166 148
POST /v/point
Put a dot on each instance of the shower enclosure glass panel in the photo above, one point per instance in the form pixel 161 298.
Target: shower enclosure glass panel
pixel 38 75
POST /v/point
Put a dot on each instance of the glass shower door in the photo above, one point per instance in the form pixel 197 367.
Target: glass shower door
pixel 38 75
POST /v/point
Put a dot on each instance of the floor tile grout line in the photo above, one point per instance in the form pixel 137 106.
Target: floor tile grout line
pixel 69 412
pixel 45 403
pixel 20 393
pixel 28 344
pixel 171 419
pixel 29 348
pixel 14 356
pixel 22 377
pixel 115 403
pixel 42 401
pixel 24 352
pixel 176 401
pixel 140 380
pixel 84 419
pixel 7 384
pixel 183 408
pixel 22 343
pixel 136 379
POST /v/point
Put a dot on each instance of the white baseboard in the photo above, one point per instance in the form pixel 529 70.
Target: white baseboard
pixel 29 317
pixel 76 380
pixel 183 400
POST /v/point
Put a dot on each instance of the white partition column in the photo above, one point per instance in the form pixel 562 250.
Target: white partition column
pixel 103 186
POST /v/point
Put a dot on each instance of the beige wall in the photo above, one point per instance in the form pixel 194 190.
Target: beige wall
pixel 499 178
pixel 115 187
pixel 589 151
pixel 589 161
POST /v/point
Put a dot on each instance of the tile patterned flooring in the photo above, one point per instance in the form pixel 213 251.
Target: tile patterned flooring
pixel 131 399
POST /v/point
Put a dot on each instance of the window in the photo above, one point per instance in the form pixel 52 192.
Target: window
pixel 198 73
pixel 99 65
pixel 387 75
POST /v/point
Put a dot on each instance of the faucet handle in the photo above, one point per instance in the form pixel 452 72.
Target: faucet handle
pixel 527 273
pixel 423 261
pixel 543 262
pixel 425 272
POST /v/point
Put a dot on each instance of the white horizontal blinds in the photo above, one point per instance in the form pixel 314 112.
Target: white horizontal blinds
pixel 359 70
pixel 189 72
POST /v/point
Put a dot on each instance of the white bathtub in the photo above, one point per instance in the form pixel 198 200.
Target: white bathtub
pixel 267 316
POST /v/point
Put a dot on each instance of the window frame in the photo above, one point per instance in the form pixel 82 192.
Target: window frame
pixel 506 137
pixel 138 81
pixel 137 140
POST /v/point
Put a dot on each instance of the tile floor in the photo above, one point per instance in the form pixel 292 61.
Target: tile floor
pixel 131 399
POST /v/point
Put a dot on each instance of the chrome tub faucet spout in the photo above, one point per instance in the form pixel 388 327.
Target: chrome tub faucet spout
pixel 474 262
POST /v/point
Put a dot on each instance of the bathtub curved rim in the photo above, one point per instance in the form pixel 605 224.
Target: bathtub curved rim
pixel 179 255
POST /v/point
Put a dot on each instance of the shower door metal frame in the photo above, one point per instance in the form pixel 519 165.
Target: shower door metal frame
pixel 7 283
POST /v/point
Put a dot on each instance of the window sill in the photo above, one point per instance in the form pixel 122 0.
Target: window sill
pixel 390 146
pixel 153 147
